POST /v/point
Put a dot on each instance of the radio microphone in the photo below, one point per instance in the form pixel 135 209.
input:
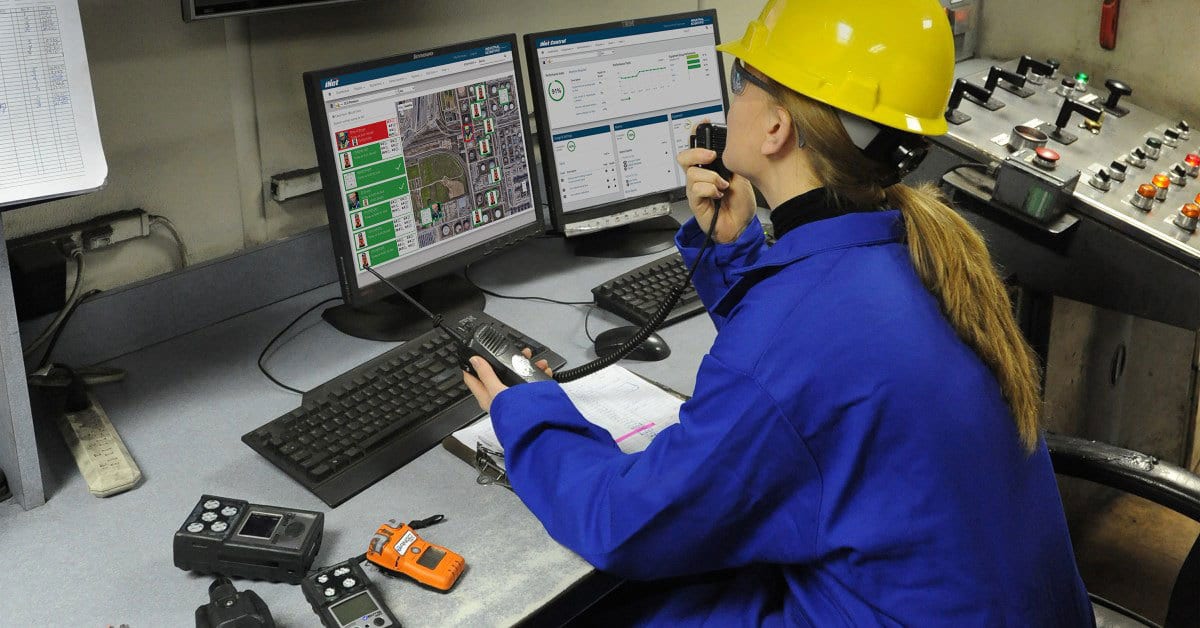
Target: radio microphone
pixel 510 365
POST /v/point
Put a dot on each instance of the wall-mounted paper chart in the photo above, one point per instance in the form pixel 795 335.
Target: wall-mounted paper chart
pixel 49 138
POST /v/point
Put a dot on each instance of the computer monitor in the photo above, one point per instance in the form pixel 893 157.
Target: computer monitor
pixel 426 168
pixel 615 104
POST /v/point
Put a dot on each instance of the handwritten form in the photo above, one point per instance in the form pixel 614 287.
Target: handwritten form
pixel 49 137
pixel 628 407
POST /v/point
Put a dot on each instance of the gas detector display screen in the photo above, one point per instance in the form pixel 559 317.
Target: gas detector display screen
pixel 352 609
pixel 259 525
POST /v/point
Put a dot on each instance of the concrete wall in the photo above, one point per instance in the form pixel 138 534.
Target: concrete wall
pixel 1157 43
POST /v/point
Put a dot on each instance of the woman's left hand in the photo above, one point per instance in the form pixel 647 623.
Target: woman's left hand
pixel 485 386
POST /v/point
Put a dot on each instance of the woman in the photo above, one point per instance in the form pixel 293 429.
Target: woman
pixel 862 447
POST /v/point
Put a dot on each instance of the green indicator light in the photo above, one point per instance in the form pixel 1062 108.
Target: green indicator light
pixel 1082 77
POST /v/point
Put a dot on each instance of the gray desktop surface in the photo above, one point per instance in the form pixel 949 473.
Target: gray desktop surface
pixel 82 560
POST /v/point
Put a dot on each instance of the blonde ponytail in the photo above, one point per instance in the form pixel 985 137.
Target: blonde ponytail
pixel 949 255
pixel 953 262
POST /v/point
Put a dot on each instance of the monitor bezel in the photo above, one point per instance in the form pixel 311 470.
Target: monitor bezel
pixel 190 14
pixel 559 219
pixel 358 295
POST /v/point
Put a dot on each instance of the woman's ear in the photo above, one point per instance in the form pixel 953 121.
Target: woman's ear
pixel 778 130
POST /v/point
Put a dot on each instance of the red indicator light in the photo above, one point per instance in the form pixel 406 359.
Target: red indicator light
pixel 1191 210
pixel 1147 190
pixel 1192 160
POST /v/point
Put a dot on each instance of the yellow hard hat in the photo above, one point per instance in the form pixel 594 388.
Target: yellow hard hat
pixel 890 61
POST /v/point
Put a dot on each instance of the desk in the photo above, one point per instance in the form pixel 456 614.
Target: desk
pixel 81 560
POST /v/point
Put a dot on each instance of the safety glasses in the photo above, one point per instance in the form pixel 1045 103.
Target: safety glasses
pixel 739 76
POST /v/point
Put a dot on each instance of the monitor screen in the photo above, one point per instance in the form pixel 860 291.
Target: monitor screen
pixel 616 104
pixel 424 162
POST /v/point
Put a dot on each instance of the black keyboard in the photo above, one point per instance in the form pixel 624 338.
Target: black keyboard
pixel 358 427
pixel 636 295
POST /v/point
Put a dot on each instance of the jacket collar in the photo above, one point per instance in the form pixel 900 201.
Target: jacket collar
pixel 846 231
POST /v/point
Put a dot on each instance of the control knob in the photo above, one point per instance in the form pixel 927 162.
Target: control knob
pixel 1154 147
pixel 963 87
pixel 1069 106
pixel 1187 217
pixel 1012 82
pixel 1054 65
pixel 1177 175
pixel 1117 170
pixel 1191 165
pixel 1116 89
pixel 1101 180
pixel 1137 158
pixel 1171 138
pixel 1143 199
pixel 1034 71
pixel 1161 183
pixel 1066 88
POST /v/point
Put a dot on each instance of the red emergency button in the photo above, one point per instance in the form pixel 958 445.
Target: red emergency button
pixel 1046 157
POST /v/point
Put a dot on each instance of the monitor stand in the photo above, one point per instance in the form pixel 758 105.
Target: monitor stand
pixel 393 319
pixel 639 238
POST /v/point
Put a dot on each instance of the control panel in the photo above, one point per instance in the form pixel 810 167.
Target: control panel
pixel 1137 169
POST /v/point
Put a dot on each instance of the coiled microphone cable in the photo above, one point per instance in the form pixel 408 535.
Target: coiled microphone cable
pixel 651 325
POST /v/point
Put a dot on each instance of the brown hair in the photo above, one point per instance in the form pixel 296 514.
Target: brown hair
pixel 949 255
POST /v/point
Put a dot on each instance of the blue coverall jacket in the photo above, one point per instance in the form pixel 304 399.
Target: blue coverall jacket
pixel 846 460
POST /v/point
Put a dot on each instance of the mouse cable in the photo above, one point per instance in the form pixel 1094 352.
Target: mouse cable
pixel 283 331
pixel 587 317
pixel 651 325
pixel 467 275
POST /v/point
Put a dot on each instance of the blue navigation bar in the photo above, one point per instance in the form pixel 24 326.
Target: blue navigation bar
pixel 574 135
pixel 697 112
pixel 621 126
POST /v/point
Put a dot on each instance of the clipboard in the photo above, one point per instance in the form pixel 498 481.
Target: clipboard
pixel 487 458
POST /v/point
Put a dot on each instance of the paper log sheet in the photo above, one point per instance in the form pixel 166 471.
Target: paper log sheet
pixel 628 407
pixel 49 137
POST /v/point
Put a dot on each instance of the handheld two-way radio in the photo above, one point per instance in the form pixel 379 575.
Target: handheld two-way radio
pixel 397 549
pixel 510 365
pixel 713 137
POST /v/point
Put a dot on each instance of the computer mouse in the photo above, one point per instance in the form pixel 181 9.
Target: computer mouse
pixel 652 349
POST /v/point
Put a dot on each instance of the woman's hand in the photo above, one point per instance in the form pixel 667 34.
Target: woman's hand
pixel 705 189
pixel 485 386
